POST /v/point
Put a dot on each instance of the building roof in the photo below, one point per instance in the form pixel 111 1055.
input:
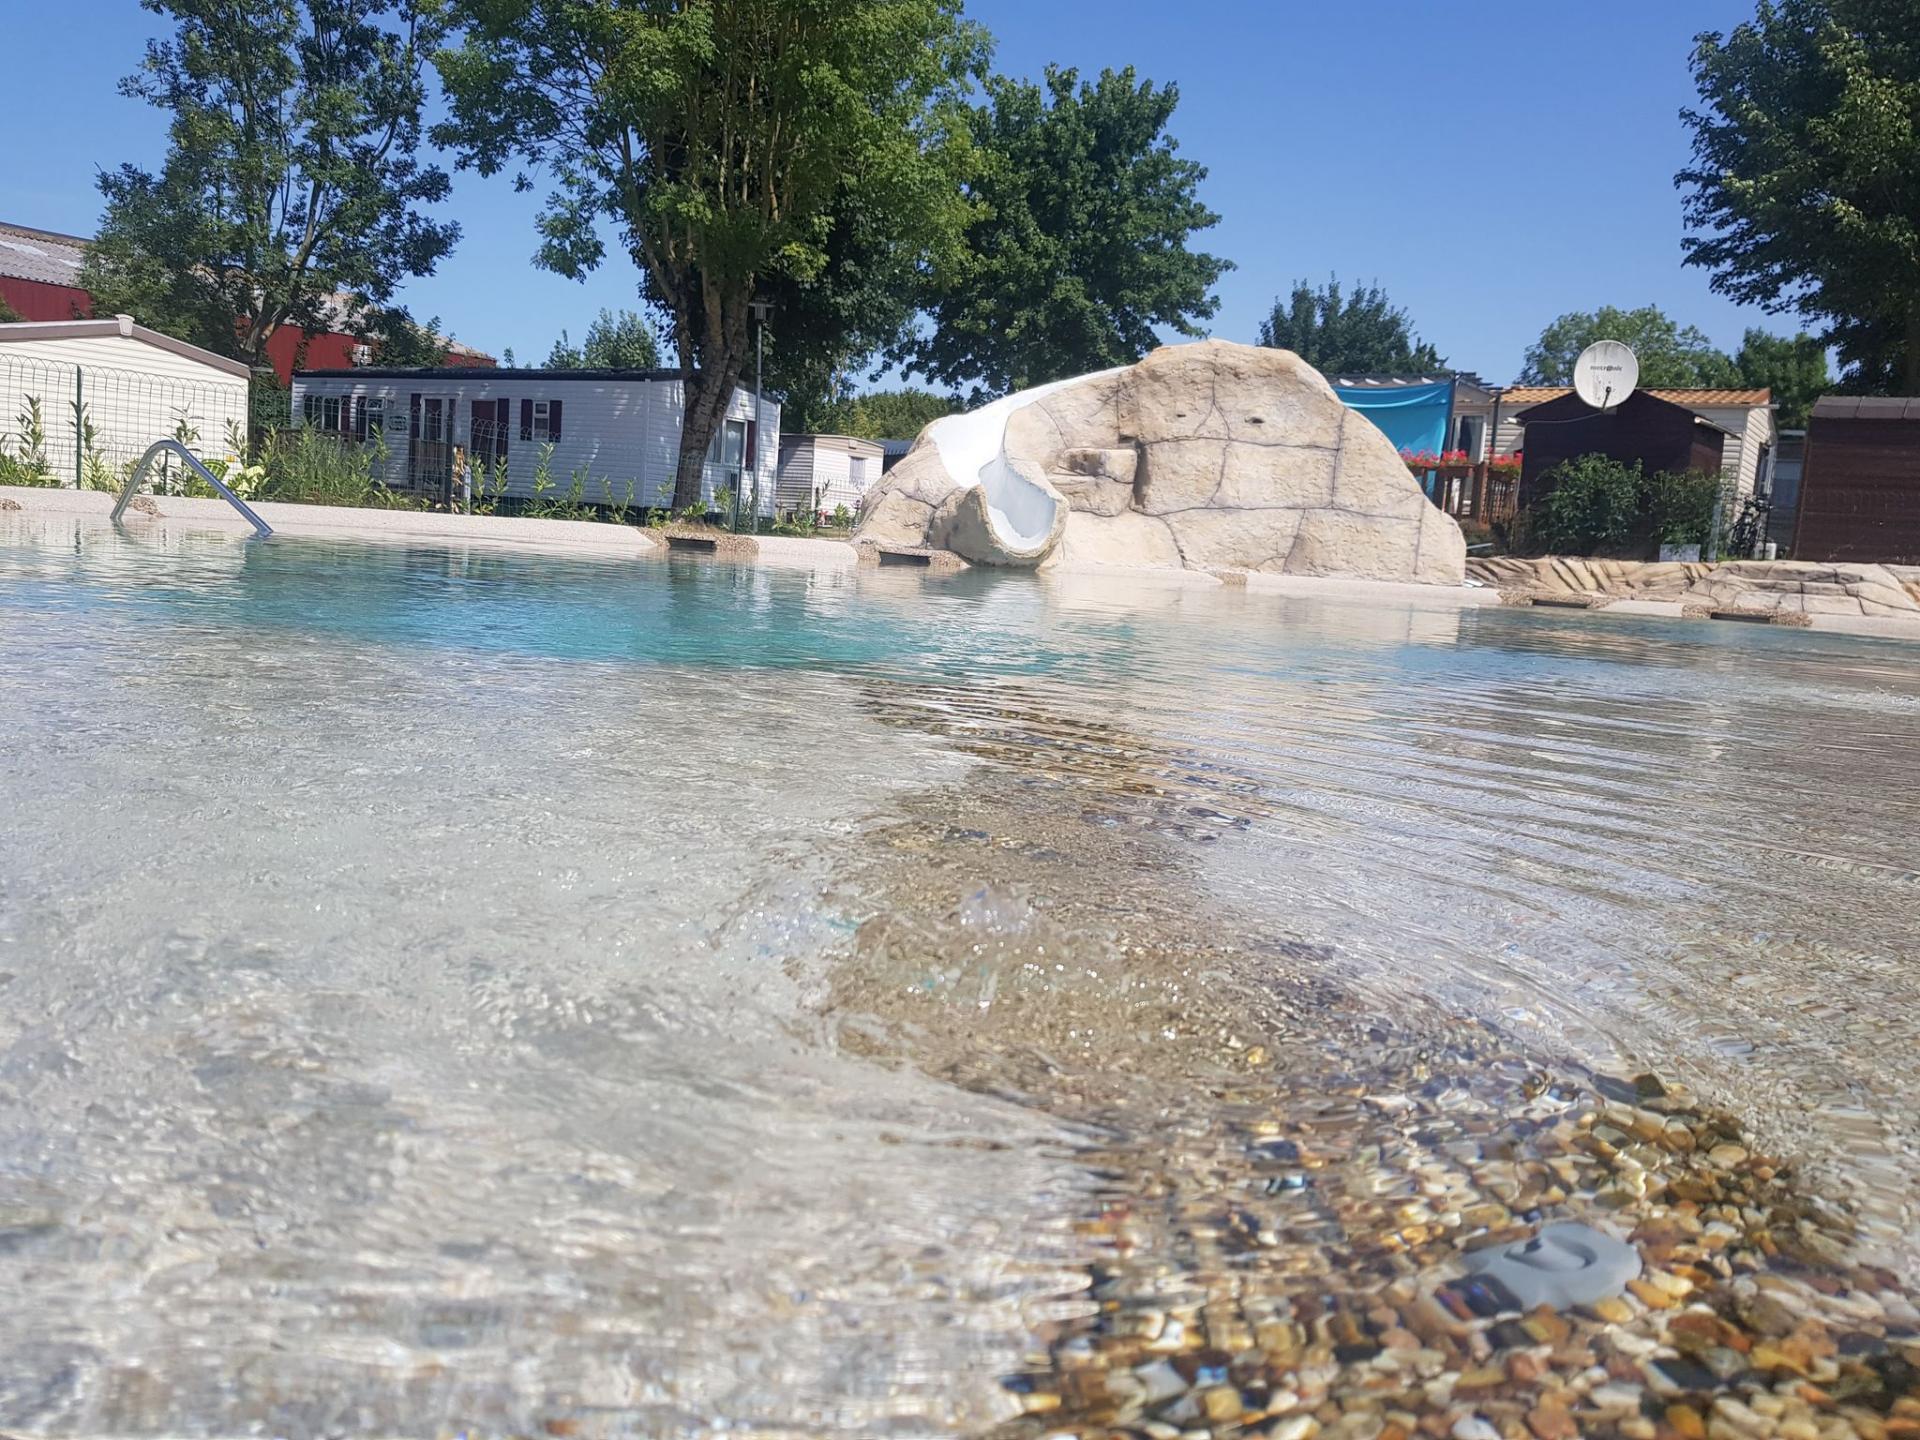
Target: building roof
pixel 42 255
pixel 51 258
pixel 121 325
pixel 1564 409
pixel 795 437
pixel 1693 399
pixel 1867 407
pixel 469 372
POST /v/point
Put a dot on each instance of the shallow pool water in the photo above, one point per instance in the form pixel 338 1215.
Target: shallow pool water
pixel 458 988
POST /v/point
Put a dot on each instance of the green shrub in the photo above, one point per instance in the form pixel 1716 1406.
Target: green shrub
pixel 23 453
pixel 307 467
pixel 1596 505
pixel 1680 506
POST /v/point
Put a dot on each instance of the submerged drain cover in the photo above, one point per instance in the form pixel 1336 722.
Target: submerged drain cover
pixel 1567 1264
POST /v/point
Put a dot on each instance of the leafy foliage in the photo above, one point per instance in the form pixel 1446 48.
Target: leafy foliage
pixel 1358 334
pixel 308 467
pixel 878 415
pixel 23 450
pixel 1077 249
pixel 399 340
pixel 1804 188
pixel 1795 369
pixel 732 143
pixel 1601 506
pixel 1671 355
pixel 613 342
pixel 291 175
pixel 8 315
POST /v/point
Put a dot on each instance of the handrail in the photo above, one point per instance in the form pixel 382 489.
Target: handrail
pixel 160 446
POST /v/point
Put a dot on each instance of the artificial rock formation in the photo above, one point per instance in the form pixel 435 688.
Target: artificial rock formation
pixel 1210 456
pixel 1782 587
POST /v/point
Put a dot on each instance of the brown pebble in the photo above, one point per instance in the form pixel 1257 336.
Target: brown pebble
pixel 1612 1309
pixel 1549 1420
pixel 1546 1327
pixel 1221 1402
pixel 1687 1421
pixel 1650 1295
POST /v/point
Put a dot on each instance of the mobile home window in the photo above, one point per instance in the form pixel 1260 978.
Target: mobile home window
pixel 330 414
pixel 370 420
pixel 543 419
pixel 310 409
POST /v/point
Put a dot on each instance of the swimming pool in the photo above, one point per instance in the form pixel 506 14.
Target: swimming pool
pixel 457 988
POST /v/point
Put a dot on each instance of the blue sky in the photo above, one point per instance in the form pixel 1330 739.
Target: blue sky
pixel 1491 166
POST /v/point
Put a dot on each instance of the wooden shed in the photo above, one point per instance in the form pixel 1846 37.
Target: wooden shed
pixel 1656 433
pixel 1860 481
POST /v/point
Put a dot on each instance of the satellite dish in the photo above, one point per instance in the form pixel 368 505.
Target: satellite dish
pixel 1605 373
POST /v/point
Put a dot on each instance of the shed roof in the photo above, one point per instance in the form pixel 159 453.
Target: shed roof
pixel 1693 399
pixel 1564 409
pixel 121 325
pixel 799 437
pixel 1867 407
pixel 43 255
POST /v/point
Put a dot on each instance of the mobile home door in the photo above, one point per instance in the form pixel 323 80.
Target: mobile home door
pixel 430 445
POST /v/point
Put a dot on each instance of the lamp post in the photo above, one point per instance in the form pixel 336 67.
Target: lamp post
pixel 761 310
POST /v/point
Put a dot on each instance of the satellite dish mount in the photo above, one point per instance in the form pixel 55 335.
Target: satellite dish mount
pixel 1606 374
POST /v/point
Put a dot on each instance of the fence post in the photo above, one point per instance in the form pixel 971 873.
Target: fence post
pixel 79 426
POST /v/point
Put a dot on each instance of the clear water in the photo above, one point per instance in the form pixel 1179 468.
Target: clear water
pixel 428 976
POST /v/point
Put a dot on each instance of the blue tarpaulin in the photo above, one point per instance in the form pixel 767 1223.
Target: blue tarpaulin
pixel 1414 417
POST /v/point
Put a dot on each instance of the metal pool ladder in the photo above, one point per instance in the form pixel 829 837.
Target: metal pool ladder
pixel 160 447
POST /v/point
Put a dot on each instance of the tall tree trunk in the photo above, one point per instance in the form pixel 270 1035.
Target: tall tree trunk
pixel 706 393
pixel 707 387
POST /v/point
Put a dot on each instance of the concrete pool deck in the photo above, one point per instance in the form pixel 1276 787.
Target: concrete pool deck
pixel 582 537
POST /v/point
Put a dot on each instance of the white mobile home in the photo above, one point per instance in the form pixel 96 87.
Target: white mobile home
pixel 820 472
pixel 615 432
pixel 81 400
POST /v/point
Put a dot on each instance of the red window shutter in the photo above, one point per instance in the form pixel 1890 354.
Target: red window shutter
pixel 526 419
pixel 553 421
pixel 502 418
pixel 752 457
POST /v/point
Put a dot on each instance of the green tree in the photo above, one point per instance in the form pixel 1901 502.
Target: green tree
pixel 400 341
pixel 877 415
pixel 1077 252
pixel 1358 334
pixel 825 328
pixel 1671 356
pixel 728 141
pixel 614 342
pixel 8 315
pixel 1805 183
pixel 1795 369
pixel 291 189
